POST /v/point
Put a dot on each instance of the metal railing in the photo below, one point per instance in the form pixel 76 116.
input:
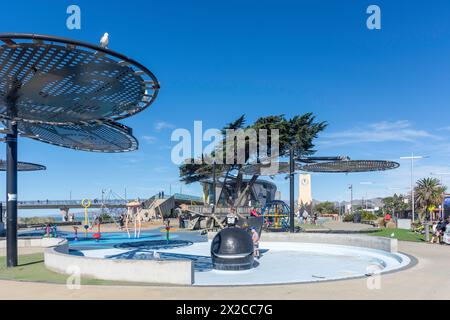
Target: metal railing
pixel 98 202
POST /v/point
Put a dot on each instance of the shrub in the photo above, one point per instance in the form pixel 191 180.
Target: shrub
pixel 365 215
pixel 36 220
pixel 348 217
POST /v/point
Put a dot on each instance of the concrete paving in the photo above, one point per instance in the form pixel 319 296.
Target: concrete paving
pixel 346 226
pixel 428 279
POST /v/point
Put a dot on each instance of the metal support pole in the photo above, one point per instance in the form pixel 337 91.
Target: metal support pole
pixel 412 188
pixel 291 190
pixel 213 209
pixel 11 192
pixel 351 198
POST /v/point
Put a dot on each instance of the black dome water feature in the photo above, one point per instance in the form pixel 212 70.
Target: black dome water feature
pixel 232 249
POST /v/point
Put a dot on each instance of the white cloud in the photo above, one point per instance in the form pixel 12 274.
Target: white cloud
pixel 160 169
pixel 149 139
pixel 397 131
pixel 160 125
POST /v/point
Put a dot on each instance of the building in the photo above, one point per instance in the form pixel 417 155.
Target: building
pixel 305 200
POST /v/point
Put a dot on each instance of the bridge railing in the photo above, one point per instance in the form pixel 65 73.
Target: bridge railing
pixel 66 202
pixel 72 203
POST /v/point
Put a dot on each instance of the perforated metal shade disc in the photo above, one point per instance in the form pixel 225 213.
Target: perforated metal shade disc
pixel 351 166
pixel 107 137
pixel 63 83
pixel 23 166
pixel 269 169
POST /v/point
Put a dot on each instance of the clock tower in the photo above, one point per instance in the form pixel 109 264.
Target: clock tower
pixel 304 193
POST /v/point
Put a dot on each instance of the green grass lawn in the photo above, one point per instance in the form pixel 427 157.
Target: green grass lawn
pixel 400 234
pixel 31 268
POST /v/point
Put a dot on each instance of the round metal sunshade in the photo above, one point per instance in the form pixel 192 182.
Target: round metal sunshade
pixel 268 169
pixel 23 166
pixel 106 137
pixel 351 166
pixel 56 80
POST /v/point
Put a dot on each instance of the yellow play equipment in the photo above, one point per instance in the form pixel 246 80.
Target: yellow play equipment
pixel 276 216
pixel 86 203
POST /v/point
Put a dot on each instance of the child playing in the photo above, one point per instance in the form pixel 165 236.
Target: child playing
pixel 255 238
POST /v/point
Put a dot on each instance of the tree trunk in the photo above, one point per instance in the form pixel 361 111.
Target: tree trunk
pixel 239 181
pixel 245 191
pixel 223 185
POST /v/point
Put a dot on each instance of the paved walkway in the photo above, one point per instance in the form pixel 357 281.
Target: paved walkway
pixel 346 226
pixel 429 279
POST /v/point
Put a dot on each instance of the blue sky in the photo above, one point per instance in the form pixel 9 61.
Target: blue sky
pixel 385 92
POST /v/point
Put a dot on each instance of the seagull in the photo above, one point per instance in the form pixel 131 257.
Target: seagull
pixel 104 41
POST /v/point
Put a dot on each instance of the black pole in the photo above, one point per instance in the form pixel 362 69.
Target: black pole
pixel 291 189
pixel 11 193
pixel 214 188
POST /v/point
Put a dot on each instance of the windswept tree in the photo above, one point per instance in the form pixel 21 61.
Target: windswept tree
pixel 395 204
pixel 428 194
pixel 297 132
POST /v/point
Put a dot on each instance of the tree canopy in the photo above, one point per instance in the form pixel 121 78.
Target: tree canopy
pixel 428 194
pixel 326 207
pixel 298 132
pixel 396 203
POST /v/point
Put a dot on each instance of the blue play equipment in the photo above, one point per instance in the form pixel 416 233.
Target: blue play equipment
pixel 276 216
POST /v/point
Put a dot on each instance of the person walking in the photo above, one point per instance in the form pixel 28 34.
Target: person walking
pixel 435 233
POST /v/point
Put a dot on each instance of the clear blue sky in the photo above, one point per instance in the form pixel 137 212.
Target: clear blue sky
pixel 385 93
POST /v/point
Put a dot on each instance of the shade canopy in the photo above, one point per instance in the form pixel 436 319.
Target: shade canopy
pixel 55 80
pixel 350 166
pixel 268 169
pixel 23 166
pixel 96 137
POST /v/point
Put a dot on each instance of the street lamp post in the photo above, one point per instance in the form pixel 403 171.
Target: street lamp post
pixel 291 189
pixel 351 198
pixel 412 158
pixel 366 195
pixel 213 209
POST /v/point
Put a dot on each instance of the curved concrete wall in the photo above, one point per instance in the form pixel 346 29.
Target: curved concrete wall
pixel 37 243
pixel 179 272
pixel 372 242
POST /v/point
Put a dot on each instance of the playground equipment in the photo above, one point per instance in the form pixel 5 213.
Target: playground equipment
pixel 75 230
pixel 98 234
pixel 134 213
pixel 276 216
pixel 86 203
pixel 167 229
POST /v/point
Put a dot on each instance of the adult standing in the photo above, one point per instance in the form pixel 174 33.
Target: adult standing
pixel 305 216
